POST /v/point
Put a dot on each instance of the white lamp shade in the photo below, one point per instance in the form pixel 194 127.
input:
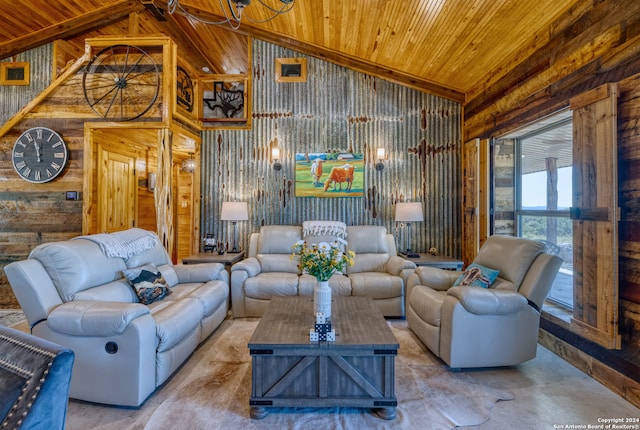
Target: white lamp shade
pixel 409 212
pixel 234 211
pixel 380 153
pixel 275 153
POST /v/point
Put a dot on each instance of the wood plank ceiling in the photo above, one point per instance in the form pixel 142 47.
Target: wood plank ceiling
pixel 452 48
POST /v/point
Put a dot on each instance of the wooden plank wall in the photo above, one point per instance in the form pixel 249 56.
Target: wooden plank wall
pixel 503 182
pixel 593 44
pixel 629 201
pixel 37 213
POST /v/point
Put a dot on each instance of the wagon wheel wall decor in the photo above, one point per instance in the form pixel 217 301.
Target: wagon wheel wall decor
pixel 121 82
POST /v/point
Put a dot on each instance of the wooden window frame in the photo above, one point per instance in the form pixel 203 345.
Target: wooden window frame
pixel 595 213
pixel 283 62
pixel 7 65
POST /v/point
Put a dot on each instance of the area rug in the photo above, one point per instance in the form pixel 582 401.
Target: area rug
pixel 11 317
pixel 214 393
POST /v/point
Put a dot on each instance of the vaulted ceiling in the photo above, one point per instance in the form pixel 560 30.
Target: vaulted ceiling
pixel 452 48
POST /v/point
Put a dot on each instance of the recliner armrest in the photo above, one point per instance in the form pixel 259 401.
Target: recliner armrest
pixel 396 264
pixel 201 272
pixel 482 301
pixel 436 278
pixel 93 318
pixel 250 265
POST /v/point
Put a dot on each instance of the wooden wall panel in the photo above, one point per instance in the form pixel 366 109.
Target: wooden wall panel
pixel 503 183
pixel 629 201
pixel 470 200
pixel 184 212
pixel 35 213
pixel 592 45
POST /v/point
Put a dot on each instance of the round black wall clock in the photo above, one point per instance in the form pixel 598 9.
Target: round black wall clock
pixel 39 155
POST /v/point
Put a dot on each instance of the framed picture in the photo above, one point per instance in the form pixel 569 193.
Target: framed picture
pixel 14 73
pixel 224 100
pixel 291 70
pixel 329 174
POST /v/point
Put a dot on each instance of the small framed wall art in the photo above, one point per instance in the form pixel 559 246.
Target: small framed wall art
pixel 291 70
pixel 14 73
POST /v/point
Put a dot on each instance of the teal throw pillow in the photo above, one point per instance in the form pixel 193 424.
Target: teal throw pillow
pixel 477 276
pixel 148 283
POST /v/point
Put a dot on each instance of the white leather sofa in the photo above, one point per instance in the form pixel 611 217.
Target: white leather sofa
pixel 269 271
pixel 74 295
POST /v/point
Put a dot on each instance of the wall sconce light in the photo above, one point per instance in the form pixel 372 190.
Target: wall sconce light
pixel 275 157
pixel 151 181
pixel 189 164
pixel 381 156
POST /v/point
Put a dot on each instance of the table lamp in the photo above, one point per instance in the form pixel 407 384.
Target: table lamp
pixel 234 212
pixel 409 212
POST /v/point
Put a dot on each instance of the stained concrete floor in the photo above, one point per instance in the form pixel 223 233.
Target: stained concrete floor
pixel 549 393
pixel 552 394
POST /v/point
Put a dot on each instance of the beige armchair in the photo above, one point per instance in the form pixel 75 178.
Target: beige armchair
pixel 471 326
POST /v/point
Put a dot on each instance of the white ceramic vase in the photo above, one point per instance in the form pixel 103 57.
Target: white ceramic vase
pixel 322 299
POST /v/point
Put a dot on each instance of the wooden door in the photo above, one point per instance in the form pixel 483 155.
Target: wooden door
pixel 470 184
pixel 595 216
pixel 183 211
pixel 475 197
pixel 116 191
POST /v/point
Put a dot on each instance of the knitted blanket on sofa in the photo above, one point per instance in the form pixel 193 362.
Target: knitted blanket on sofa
pixel 123 244
pixel 336 229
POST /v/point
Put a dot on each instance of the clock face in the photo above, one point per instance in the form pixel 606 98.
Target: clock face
pixel 39 155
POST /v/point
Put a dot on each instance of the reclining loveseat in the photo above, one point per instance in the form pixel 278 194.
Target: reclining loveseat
pixel 378 272
pixel 87 294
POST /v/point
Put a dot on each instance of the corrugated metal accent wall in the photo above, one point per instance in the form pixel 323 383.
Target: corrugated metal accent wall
pixel 338 109
pixel 15 97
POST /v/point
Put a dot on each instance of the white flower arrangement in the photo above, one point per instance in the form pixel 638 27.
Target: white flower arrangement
pixel 321 260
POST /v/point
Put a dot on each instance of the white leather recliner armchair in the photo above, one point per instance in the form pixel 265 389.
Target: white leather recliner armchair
pixel 471 326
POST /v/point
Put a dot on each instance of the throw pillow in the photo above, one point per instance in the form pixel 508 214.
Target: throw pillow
pixel 477 276
pixel 148 283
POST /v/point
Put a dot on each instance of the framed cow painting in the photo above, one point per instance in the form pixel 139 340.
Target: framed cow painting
pixel 329 174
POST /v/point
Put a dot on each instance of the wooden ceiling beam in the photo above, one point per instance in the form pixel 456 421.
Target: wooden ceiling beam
pixel 99 17
pixel 351 62
pixel 172 28
pixel 357 64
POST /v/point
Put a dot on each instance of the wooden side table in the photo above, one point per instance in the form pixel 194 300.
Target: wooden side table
pixel 228 258
pixel 440 261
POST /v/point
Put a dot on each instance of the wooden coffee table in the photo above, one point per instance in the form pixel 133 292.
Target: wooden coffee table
pixel 357 370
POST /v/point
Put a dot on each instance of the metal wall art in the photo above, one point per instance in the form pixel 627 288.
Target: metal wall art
pixel 224 100
pixel 184 89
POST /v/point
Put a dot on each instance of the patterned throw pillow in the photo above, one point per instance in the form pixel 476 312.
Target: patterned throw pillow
pixel 148 283
pixel 477 276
